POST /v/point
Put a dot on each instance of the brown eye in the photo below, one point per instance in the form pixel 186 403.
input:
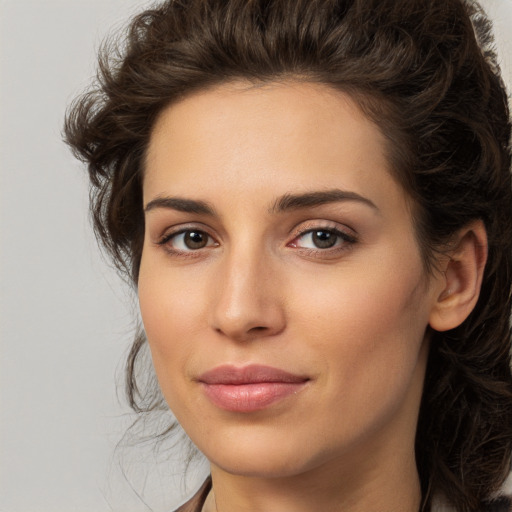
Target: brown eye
pixel 321 239
pixel 187 240
pixel 324 239
pixel 195 239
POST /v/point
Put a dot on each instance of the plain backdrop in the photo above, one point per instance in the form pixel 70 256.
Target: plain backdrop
pixel 65 318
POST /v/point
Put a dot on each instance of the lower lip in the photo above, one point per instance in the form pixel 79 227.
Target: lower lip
pixel 250 397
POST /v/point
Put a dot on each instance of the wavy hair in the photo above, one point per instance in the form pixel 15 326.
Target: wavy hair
pixel 425 73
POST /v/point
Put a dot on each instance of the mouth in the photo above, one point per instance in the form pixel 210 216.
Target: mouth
pixel 250 388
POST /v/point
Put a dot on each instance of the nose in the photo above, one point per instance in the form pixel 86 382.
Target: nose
pixel 248 301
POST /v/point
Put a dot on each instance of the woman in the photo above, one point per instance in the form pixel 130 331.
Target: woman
pixel 313 200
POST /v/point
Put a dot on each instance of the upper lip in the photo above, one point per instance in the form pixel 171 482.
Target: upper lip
pixel 229 374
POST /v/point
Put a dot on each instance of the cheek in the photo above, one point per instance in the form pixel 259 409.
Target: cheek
pixel 369 348
pixel 170 314
pixel 369 325
pixel 170 323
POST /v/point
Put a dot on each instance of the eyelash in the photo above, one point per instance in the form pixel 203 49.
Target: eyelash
pixel 346 240
pixel 342 241
pixel 190 253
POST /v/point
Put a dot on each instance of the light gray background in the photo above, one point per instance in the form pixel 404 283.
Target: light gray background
pixel 65 318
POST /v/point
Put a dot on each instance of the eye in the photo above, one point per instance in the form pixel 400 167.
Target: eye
pixel 323 239
pixel 187 240
pixel 319 239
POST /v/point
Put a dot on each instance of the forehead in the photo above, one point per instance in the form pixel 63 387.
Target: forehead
pixel 284 135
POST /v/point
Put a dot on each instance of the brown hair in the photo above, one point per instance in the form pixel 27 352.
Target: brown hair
pixel 417 70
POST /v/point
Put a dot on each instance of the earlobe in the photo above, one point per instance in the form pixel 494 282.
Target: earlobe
pixel 459 286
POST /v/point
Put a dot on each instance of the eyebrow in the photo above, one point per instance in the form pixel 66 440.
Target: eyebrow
pixel 313 199
pixel 180 204
pixel 282 204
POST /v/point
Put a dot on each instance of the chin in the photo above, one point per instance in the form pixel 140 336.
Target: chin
pixel 263 466
pixel 254 456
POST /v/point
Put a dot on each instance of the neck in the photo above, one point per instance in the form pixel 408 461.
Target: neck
pixel 336 486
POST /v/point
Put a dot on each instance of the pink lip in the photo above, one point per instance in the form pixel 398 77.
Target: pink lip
pixel 250 388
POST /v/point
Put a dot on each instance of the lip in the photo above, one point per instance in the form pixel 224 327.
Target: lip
pixel 249 388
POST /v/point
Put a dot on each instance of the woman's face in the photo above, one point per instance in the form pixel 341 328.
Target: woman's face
pixel 281 286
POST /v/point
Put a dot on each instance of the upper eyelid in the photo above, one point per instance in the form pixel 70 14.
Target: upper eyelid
pixel 168 235
pixel 317 224
pixel 185 226
pixel 346 237
pixel 320 228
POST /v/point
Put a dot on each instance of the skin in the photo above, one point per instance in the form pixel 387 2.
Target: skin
pixel 352 318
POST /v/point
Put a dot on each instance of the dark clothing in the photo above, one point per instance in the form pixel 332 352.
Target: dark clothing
pixel 195 504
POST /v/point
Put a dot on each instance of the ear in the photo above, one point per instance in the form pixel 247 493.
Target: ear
pixel 459 285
